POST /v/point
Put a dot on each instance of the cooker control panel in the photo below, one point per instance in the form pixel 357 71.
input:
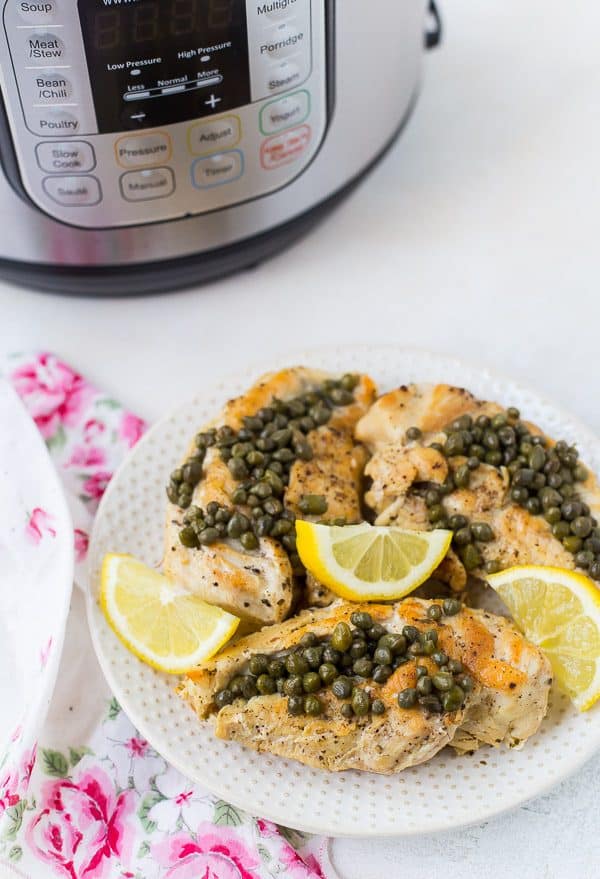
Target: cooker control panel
pixel 125 112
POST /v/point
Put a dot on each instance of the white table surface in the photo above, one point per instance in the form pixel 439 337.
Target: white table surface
pixel 477 236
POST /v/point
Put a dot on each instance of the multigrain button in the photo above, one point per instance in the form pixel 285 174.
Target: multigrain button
pixel 285 112
pixel 73 192
pixel 278 9
pixel 75 157
pixel 147 185
pixel 53 123
pixel 285 148
pixel 44 47
pixel 218 134
pixel 217 170
pixel 41 12
pixel 143 150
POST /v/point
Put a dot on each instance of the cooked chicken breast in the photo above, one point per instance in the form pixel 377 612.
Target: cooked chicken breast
pixel 398 466
pixel 507 704
pixel 259 585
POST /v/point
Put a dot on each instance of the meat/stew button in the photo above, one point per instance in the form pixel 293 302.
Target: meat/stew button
pixel 285 148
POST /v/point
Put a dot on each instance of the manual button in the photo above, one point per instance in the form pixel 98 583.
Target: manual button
pixel 143 150
pixel 73 192
pixel 75 156
pixel 146 185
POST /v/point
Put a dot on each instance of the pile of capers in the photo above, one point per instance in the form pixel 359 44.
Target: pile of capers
pixel 346 663
pixel 543 480
pixel 259 456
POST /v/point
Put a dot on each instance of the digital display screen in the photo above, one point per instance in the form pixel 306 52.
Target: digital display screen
pixel 155 62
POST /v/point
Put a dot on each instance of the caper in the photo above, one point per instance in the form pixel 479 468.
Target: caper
pixel 382 656
pixel 208 536
pixel 258 664
pixel 313 504
pixel 249 687
pixel 431 704
pixel 328 672
pixel 189 538
pixel 571 510
pixel 237 525
pixel 440 658
pixel 361 620
pixel 442 681
pixel 313 656
pixel 455 666
pixel 454 445
pixel 513 413
pixel 235 685
pixel 311 682
pixel 342 687
pixel 494 457
pixel 411 633
pixel 492 566
pixel 524 477
pixel 416 649
pixel 451 606
pixel 293 685
pixel 407 698
pixel 375 632
pixel 273 507
pixel 424 686
pixel 436 513
pixel 381 673
pixel 553 515
pixel 341 638
pixel 465 682
pixel 360 702
pixel 432 497
pixel 582 526
pixel 249 540
pixel 434 612
pixel 572 544
pixel 471 557
pixel 331 655
pixel 453 700
pixel 580 473
pixel 395 643
pixel 482 532
pixel 223 698
pixel 463 536
pixel 237 468
pixel 592 544
pixel 378 707
pixel 312 706
pixel 561 529
pixel 276 668
pixel 594 570
pixel 537 458
pixel 414 433
pixel 519 494
pixel 266 685
pixel 296 664
pixel 347 711
pixel 473 462
pixel 462 476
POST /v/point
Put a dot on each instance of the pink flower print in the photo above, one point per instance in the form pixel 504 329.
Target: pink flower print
pixel 53 393
pixel 16 733
pixel 81 827
pixel 82 542
pixel 177 801
pixel 131 428
pixel 9 787
pixel 92 429
pixel 216 853
pixel 45 653
pixel 297 867
pixel 27 764
pixel 86 456
pixel 39 524
pixel 95 486
pixel 137 747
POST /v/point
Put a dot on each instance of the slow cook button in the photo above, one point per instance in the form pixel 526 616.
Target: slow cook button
pixel 217 170
pixel 73 192
pixel 44 46
pixel 143 150
pixel 75 156
pixel 40 12
pixel 53 123
pixel 285 112
pixel 218 134
pixel 146 185
pixel 285 148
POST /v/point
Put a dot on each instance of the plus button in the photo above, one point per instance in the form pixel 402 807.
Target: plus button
pixel 212 102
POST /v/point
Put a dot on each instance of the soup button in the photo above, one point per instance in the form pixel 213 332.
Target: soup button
pixel 217 170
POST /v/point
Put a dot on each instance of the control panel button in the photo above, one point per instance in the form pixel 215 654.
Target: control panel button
pixel 281 9
pixel 74 192
pixel 53 123
pixel 147 185
pixel 282 77
pixel 282 42
pixel 285 112
pixel 42 48
pixel 217 134
pixel 143 150
pixel 217 170
pixel 40 12
pixel 285 148
pixel 49 87
pixel 75 157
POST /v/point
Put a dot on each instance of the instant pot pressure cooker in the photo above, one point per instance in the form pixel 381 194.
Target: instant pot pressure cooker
pixel 150 144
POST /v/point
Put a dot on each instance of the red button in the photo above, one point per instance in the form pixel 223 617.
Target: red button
pixel 285 148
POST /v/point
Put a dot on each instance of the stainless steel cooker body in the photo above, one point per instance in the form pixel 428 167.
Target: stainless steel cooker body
pixel 147 144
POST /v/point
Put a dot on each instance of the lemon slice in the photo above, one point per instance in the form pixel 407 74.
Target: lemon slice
pixel 370 562
pixel 165 626
pixel 558 610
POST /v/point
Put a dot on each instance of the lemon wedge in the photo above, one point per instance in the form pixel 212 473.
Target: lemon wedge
pixel 163 624
pixel 559 610
pixel 367 562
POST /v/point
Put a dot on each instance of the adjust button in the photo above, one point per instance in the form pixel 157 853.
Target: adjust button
pixel 73 192
pixel 42 47
pixel 217 134
pixel 75 157
pixel 285 112
pixel 217 170
pixel 143 150
pixel 147 185
pixel 40 12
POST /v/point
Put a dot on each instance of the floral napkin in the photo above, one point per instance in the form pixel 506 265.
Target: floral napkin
pixel 95 801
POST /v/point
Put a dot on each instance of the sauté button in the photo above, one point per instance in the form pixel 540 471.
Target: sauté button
pixel 147 185
pixel 73 192
pixel 216 135
pixel 75 157
pixel 44 46
pixel 285 112
pixel 143 150
pixel 41 12
pixel 217 170
pixel 285 148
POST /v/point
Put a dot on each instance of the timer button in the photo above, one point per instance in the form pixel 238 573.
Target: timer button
pixel 213 136
pixel 74 157
pixel 143 150
pixel 40 12
pixel 44 48
pixel 147 185
pixel 217 170
pixel 73 192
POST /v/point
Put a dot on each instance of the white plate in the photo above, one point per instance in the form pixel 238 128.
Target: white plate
pixel 449 791
pixel 36 577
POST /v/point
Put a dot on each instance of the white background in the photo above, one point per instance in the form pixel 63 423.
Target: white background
pixel 477 236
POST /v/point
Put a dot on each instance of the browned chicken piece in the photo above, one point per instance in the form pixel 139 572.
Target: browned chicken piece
pixel 398 466
pixel 509 699
pixel 259 585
